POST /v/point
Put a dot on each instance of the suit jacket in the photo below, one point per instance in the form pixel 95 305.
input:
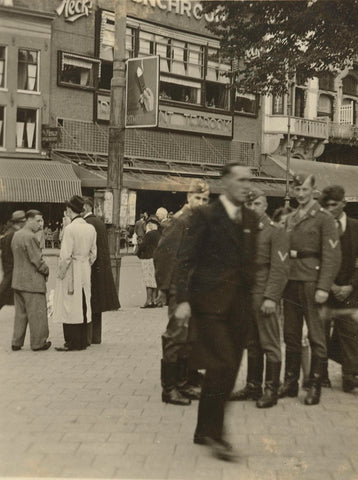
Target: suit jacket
pixel 30 270
pixel 7 259
pixel 104 296
pixel 216 257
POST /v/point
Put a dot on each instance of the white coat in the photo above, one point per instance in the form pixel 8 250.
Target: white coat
pixel 78 252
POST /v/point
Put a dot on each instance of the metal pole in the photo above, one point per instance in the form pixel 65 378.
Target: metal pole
pixel 288 147
pixel 117 133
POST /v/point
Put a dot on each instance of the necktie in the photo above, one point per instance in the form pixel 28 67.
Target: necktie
pixel 238 216
pixel 339 226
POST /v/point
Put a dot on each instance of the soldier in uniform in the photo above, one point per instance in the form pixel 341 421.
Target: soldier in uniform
pixel 343 347
pixel 315 258
pixel 272 266
pixel 178 382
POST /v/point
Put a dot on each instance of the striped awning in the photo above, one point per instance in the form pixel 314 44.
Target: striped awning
pixel 37 181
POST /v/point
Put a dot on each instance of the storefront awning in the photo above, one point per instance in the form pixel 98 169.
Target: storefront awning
pixel 37 181
pixel 324 173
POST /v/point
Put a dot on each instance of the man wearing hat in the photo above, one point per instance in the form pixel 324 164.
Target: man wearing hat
pixel 29 284
pixel 343 347
pixel 72 302
pixel 104 296
pixel 272 266
pixel 178 383
pixel 315 258
pixel 17 221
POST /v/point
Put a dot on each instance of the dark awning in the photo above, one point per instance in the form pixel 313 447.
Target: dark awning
pixel 37 181
pixel 324 173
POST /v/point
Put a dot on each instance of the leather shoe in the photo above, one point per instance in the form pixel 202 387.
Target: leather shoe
pixel 46 346
pixel 15 348
pixel 190 391
pixel 148 305
pixel 220 448
pixel 349 382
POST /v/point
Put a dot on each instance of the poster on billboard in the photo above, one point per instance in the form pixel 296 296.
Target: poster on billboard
pixel 142 92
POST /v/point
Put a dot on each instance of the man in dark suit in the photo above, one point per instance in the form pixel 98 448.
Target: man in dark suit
pixel 179 384
pixel 344 291
pixel 29 284
pixel 213 278
pixel 104 296
pixel 17 221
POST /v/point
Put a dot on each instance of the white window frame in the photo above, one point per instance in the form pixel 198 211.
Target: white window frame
pixel 4 88
pixel 80 59
pixel 38 89
pixel 3 129
pixel 36 148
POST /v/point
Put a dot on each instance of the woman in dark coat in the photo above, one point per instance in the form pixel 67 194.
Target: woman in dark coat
pixel 145 253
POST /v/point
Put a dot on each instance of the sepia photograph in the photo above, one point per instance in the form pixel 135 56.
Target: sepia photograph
pixel 179 239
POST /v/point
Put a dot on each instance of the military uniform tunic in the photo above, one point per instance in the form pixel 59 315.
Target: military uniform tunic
pixel 315 258
pixel 272 265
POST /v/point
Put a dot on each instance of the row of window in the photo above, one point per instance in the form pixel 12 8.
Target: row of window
pixel 27 69
pixel 26 128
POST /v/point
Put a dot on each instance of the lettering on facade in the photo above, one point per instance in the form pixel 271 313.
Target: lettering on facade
pixel 180 7
pixel 72 10
pixel 178 119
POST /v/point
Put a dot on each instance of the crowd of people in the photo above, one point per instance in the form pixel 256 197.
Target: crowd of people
pixel 233 279
pixel 84 286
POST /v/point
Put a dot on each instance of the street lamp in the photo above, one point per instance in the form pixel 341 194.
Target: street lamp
pixel 116 136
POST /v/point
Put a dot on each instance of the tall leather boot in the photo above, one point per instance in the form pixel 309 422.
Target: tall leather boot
pixel 170 393
pixel 314 393
pixel 183 385
pixel 292 374
pixel 253 387
pixel 272 382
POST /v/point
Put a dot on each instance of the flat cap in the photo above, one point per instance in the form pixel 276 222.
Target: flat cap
pixel 18 216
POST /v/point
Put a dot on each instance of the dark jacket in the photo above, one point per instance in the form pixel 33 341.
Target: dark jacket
pixel 7 260
pixel 316 236
pixel 165 255
pixel 272 260
pixel 215 257
pixel 30 270
pixel 149 244
pixel 104 296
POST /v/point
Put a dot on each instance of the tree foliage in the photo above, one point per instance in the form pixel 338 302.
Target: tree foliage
pixel 274 39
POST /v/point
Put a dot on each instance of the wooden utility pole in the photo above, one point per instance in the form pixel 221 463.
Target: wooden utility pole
pixel 288 146
pixel 117 132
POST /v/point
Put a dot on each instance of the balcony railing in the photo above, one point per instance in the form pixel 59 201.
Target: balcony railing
pixel 299 126
pixel 343 132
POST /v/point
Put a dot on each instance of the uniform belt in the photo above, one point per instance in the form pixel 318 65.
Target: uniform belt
pixel 303 254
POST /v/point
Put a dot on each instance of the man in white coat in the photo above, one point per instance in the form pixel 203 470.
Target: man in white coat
pixel 72 303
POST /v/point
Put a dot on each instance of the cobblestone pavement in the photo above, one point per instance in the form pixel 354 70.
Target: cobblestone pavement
pixel 98 413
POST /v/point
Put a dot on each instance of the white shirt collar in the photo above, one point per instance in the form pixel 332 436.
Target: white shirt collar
pixel 87 215
pixel 230 208
pixel 343 222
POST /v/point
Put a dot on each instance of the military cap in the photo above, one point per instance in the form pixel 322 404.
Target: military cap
pixel 333 192
pixel 300 178
pixel 254 193
pixel 18 216
pixel 198 186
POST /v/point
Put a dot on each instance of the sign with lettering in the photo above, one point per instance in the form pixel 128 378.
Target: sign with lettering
pixel 72 10
pixel 181 7
pixel 50 134
pixel 183 119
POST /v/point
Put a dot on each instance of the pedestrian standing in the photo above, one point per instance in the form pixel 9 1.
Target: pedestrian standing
pixel 104 296
pixel 213 278
pixel 72 302
pixel 343 347
pixel 145 252
pixel 315 258
pixel 17 221
pixel 29 278
pixel 139 227
pixel 179 383
pixel 272 266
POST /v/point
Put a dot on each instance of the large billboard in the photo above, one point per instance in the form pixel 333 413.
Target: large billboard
pixel 142 92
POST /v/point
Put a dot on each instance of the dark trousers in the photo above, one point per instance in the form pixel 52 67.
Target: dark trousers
pixel 94 329
pixel 175 343
pixel 75 334
pixel 224 338
pixel 264 333
pixel 299 302
pixel 30 308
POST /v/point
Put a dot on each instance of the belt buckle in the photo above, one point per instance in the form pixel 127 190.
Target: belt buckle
pixel 293 253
